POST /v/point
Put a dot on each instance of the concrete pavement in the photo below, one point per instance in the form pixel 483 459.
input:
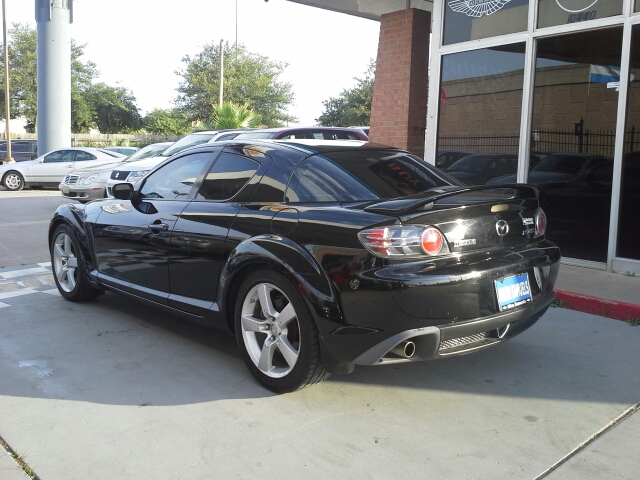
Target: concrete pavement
pixel 111 389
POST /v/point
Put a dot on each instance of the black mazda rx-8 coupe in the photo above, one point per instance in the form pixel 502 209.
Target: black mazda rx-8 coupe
pixel 317 255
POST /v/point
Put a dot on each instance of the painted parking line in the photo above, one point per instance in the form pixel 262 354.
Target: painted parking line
pixel 24 272
pixel 18 282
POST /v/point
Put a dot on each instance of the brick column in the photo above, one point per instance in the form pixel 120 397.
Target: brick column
pixel 399 106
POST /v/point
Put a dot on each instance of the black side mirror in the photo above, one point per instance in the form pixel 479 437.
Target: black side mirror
pixel 123 191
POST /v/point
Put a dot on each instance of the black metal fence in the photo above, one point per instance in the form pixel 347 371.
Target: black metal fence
pixel 595 142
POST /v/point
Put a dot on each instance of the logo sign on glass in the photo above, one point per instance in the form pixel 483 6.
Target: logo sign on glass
pixel 477 8
pixel 576 6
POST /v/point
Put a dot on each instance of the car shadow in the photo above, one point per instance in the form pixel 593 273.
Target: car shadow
pixel 114 350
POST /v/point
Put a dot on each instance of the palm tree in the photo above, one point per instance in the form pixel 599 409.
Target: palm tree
pixel 230 115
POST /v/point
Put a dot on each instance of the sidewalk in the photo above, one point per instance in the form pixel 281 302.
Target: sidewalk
pixel 599 292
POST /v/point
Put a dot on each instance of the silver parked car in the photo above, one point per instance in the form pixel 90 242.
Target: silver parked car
pixel 49 169
pixel 90 183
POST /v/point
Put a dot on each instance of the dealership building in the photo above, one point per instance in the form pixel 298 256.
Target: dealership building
pixel 522 81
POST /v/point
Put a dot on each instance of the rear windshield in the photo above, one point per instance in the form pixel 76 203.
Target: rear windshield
pixel 362 176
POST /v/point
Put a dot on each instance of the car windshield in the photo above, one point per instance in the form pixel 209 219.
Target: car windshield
pixel 255 135
pixel 361 176
pixel 188 141
pixel 146 152
pixel 110 153
pixel 561 163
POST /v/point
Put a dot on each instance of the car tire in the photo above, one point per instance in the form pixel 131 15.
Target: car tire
pixel 67 263
pixel 13 181
pixel 278 341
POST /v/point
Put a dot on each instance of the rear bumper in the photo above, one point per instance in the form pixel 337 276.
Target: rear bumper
pixel 445 308
pixel 455 339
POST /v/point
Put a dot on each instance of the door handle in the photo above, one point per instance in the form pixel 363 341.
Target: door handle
pixel 158 226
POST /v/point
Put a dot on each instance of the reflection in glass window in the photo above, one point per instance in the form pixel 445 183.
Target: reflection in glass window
pixel 466 20
pixel 361 176
pixel 561 12
pixel 574 123
pixel 60 156
pixel 480 108
pixel 227 176
pixel 84 156
pixel 629 220
pixel 175 179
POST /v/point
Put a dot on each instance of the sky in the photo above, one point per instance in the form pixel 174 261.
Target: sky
pixel 139 44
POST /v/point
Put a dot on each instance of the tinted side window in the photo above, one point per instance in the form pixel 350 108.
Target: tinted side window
pixel 60 156
pixel 84 156
pixel 175 179
pixel 21 147
pixel 227 177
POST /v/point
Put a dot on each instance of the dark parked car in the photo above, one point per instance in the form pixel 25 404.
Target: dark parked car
pixel 445 157
pixel 318 256
pixel 479 168
pixel 307 133
pixel 21 150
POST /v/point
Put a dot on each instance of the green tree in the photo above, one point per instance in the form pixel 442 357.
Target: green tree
pixel 249 80
pixel 166 122
pixel 353 106
pixel 88 107
pixel 115 109
pixel 230 115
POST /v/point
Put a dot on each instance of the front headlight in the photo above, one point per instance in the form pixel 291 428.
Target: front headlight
pixel 135 176
pixel 90 179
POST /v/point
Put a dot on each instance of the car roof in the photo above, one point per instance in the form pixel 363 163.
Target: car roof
pixel 308 147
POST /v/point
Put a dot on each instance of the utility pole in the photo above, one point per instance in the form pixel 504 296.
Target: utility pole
pixel 7 96
pixel 221 71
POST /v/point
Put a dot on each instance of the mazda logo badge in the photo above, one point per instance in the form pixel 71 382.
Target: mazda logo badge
pixel 502 227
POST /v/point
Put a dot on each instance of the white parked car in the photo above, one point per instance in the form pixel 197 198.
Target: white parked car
pixel 49 169
pixel 89 183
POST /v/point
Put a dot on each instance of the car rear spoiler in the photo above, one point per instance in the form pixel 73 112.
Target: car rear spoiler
pixel 405 205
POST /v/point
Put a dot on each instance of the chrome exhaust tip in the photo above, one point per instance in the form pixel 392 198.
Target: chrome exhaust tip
pixel 404 349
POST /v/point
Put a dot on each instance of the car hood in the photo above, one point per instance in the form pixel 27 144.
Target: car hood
pixel 140 164
pixel 19 165
pixel 98 168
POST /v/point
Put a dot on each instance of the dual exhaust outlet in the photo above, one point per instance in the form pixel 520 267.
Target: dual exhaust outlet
pixel 404 349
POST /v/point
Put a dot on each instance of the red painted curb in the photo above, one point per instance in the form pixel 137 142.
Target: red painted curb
pixel 598 306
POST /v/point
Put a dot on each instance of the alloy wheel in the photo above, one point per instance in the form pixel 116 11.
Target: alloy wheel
pixel 13 181
pixel 65 262
pixel 270 330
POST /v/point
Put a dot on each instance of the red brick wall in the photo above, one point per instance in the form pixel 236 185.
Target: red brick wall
pixel 399 106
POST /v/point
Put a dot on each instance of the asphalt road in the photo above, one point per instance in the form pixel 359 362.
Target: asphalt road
pixel 110 389
pixel 24 221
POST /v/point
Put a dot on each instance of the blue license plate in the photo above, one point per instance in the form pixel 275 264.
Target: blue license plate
pixel 513 291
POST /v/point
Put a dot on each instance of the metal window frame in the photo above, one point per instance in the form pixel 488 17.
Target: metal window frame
pixel 627 20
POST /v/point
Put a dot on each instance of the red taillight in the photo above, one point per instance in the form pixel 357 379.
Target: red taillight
pixel 378 240
pixel 432 241
pixel 404 241
pixel 541 222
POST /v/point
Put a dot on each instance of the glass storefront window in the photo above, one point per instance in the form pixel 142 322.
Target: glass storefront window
pixel 573 128
pixel 480 109
pixel 629 219
pixel 466 20
pixel 561 12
